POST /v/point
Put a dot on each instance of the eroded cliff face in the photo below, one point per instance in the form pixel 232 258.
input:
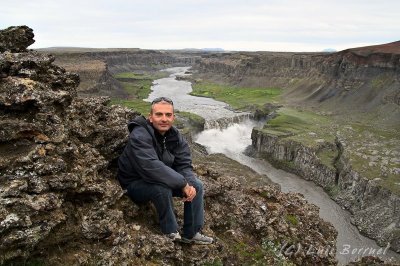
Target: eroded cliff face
pixel 95 77
pixel 61 204
pixel 294 156
pixel 96 67
pixel 375 210
pixel 360 80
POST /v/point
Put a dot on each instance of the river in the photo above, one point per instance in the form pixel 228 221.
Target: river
pixel 349 240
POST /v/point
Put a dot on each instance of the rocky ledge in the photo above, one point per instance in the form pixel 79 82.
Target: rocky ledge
pixel 61 204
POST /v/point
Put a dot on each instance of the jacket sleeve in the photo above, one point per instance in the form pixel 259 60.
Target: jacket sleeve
pixel 183 160
pixel 150 168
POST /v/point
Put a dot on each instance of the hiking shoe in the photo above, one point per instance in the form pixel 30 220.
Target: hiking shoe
pixel 199 239
pixel 174 236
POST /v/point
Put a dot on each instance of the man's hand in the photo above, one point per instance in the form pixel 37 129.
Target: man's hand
pixel 189 192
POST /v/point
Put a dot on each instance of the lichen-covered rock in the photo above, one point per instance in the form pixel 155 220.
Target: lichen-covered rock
pixel 268 216
pixel 55 150
pixel 16 39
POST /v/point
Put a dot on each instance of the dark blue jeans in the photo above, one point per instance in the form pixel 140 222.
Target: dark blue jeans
pixel 161 196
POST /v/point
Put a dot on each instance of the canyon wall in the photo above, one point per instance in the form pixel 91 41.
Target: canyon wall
pixel 375 210
pixel 360 80
pixel 96 67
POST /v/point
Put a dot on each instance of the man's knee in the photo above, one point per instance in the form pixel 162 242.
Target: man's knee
pixel 161 191
pixel 141 192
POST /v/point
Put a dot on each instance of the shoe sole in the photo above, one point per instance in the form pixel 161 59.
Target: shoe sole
pixel 197 242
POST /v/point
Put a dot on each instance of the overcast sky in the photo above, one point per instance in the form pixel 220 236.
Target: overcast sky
pixel 264 25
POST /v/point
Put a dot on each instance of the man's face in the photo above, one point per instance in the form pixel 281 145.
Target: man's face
pixel 162 117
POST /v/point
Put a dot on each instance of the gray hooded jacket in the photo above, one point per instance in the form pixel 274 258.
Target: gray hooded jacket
pixel 155 158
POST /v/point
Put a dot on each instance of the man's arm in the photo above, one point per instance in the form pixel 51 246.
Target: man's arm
pixel 183 160
pixel 143 155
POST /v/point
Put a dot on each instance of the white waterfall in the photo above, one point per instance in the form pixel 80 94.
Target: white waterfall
pixel 225 122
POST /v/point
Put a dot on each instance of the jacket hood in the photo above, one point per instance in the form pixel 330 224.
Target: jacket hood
pixel 137 121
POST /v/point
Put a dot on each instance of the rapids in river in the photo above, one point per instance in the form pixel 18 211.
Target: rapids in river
pixel 221 140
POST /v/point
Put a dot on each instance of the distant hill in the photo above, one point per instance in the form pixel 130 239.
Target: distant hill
pixel 329 50
pixel 387 48
pixel 61 49
pixel 204 49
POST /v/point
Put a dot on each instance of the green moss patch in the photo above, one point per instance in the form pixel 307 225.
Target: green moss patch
pixel 292 219
pixel 328 157
pixel 133 75
pixel 138 87
pixel 374 153
pixel 240 98
pixel 381 81
pixel 301 126
pixel 137 105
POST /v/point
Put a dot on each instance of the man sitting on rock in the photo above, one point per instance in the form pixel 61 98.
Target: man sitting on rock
pixel 156 165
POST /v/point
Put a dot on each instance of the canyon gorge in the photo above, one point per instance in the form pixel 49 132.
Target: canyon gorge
pixel 60 138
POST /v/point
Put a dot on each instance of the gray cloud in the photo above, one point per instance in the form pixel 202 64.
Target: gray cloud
pixel 234 25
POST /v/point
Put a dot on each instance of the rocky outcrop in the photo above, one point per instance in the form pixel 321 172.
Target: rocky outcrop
pixel 375 210
pixel 16 39
pixel 294 156
pixel 55 149
pixel 61 204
